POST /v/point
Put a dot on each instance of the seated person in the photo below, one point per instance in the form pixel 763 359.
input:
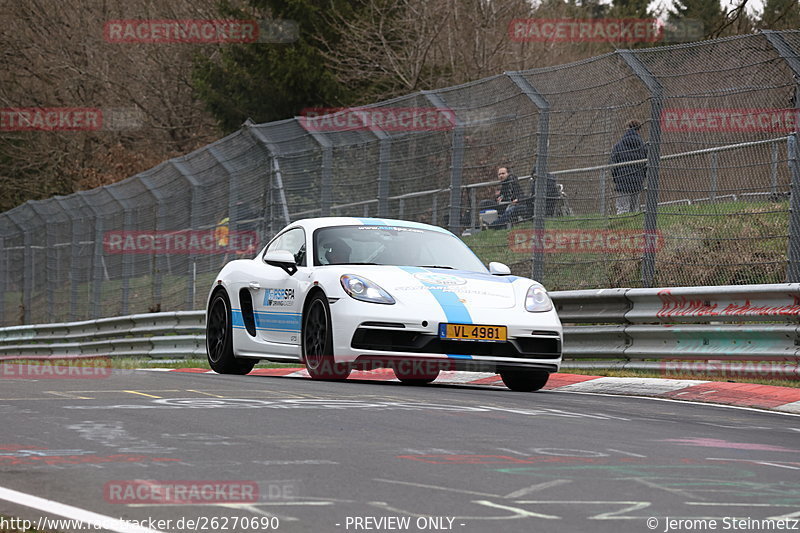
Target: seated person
pixel 551 198
pixel 336 252
pixel 510 192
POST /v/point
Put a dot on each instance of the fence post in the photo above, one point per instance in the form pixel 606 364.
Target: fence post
pixel 27 267
pixel 6 259
pixel 793 152
pixel 4 268
pixel 51 280
pixel 98 261
pixel 158 259
pixel 603 188
pixel 3 274
pixel 774 168
pixel 539 171
pixel 273 153
pixel 384 176
pixel 792 58
pixel 714 175
pixel 326 186
pixel 127 258
pixel 653 164
pixel 194 223
pixel 456 161
pixel 75 215
pixel 384 156
pixel 233 207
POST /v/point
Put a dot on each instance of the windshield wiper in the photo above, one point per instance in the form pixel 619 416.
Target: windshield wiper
pixel 437 266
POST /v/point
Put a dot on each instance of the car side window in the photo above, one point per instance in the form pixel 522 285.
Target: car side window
pixel 293 241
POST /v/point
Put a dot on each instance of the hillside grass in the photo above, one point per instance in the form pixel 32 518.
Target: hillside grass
pixel 728 243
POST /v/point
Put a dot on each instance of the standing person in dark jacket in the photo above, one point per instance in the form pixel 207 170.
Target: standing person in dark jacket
pixel 628 179
pixel 509 191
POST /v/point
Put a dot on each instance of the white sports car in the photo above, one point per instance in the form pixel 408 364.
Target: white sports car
pixel 343 293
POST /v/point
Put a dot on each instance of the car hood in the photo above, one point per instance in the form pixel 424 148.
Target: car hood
pixel 416 285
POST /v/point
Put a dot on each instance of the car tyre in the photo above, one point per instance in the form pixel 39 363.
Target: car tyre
pixel 219 339
pixel 318 341
pixel 524 380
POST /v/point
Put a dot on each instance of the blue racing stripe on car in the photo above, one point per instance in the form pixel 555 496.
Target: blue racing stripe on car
pixel 237 320
pixel 269 321
pixel 278 321
pixel 454 309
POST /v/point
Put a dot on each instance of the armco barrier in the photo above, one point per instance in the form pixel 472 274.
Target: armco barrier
pixel 740 322
pixel 158 335
pixel 728 323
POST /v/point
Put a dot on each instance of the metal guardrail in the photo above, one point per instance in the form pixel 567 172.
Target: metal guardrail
pixel 730 323
pixel 740 322
pixel 158 335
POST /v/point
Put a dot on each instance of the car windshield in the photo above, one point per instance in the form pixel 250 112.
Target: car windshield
pixel 392 245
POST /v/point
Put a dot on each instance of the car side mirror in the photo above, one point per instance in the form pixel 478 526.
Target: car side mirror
pixel 499 269
pixel 281 259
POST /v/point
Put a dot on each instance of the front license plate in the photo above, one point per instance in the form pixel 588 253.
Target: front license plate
pixel 471 332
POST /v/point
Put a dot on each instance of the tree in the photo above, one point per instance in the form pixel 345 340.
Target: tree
pixel 780 15
pixel 273 81
pixel 708 12
pixel 631 9
pixel 58 58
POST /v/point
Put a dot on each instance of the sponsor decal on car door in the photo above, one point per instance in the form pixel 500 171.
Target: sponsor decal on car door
pixel 277 309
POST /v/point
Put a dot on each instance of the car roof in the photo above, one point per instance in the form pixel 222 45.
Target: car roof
pixel 322 222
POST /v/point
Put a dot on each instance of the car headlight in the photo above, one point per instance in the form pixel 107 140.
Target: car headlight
pixel 361 288
pixel 537 300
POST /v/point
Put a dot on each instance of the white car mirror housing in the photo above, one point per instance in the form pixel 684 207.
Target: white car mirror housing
pixel 281 259
pixel 499 269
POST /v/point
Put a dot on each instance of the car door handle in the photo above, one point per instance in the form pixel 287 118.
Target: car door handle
pixel 255 285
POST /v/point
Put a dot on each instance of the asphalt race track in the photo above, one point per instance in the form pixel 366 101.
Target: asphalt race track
pixel 300 455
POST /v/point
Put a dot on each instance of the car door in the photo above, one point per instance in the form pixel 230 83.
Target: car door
pixel 276 296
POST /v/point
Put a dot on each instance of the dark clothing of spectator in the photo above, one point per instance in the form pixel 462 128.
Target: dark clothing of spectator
pixel 629 178
pixel 551 197
pixel 510 191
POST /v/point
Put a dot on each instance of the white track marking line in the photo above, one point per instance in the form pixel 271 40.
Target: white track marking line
pixel 533 488
pixel 437 487
pixel 756 461
pixel 73 513
pixel 684 402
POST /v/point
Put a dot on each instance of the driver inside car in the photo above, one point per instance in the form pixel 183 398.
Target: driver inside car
pixel 337 252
